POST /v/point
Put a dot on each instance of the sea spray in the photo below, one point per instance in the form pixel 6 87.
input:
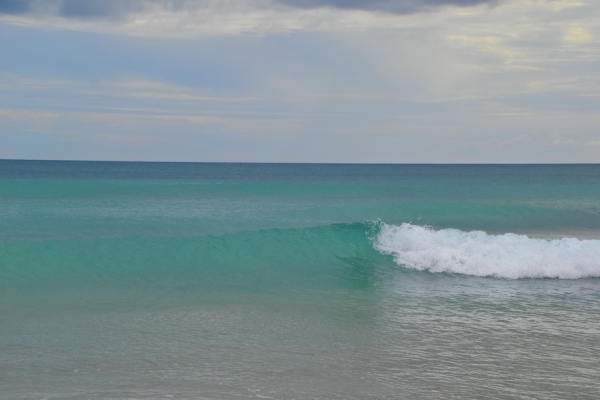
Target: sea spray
pixel 476 253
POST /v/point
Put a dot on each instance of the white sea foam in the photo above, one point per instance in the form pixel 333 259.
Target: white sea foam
pixel 479 254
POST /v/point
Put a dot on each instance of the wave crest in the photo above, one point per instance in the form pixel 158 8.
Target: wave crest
pixel 476 253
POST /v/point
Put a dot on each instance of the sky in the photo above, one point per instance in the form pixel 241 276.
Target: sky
pixel 362 81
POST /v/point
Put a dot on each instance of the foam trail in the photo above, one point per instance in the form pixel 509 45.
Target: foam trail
pixel 479 254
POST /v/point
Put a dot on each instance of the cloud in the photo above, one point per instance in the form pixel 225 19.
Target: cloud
pixel 103 8
pixel 15 7
pixel 578 34
pixel 394 6
pixel 348 83
pixel 74 8
pixel 120 9
pixel 81 9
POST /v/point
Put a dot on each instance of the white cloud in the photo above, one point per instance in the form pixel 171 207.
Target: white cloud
pixel 474 84
pixel 578 34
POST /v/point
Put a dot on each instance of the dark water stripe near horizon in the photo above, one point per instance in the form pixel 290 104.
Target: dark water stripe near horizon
pixel 484 174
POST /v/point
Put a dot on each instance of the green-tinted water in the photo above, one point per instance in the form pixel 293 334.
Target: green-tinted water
pixel 142 280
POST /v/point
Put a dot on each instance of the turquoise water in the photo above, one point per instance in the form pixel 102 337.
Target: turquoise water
pixel 146 280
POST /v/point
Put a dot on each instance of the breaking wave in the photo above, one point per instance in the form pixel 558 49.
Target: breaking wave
pixel 476 253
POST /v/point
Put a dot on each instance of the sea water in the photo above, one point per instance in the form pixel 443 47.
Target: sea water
pixel 298 281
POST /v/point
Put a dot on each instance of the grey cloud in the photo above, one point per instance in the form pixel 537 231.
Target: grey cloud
pixel 112 9
pixel 95 8
pixel 115 9
pixel 395 6
pixel 15 6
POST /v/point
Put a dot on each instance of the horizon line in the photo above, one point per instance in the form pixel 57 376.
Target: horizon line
pixel 292 162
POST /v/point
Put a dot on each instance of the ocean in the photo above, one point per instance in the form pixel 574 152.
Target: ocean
pixel 127 280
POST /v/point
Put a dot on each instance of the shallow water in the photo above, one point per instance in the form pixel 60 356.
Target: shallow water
pixel 218 281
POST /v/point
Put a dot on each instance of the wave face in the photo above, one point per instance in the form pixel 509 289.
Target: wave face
pixel 326 257
pixel 476 253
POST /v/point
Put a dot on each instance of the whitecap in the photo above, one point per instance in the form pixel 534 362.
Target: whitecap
pixel 476 253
